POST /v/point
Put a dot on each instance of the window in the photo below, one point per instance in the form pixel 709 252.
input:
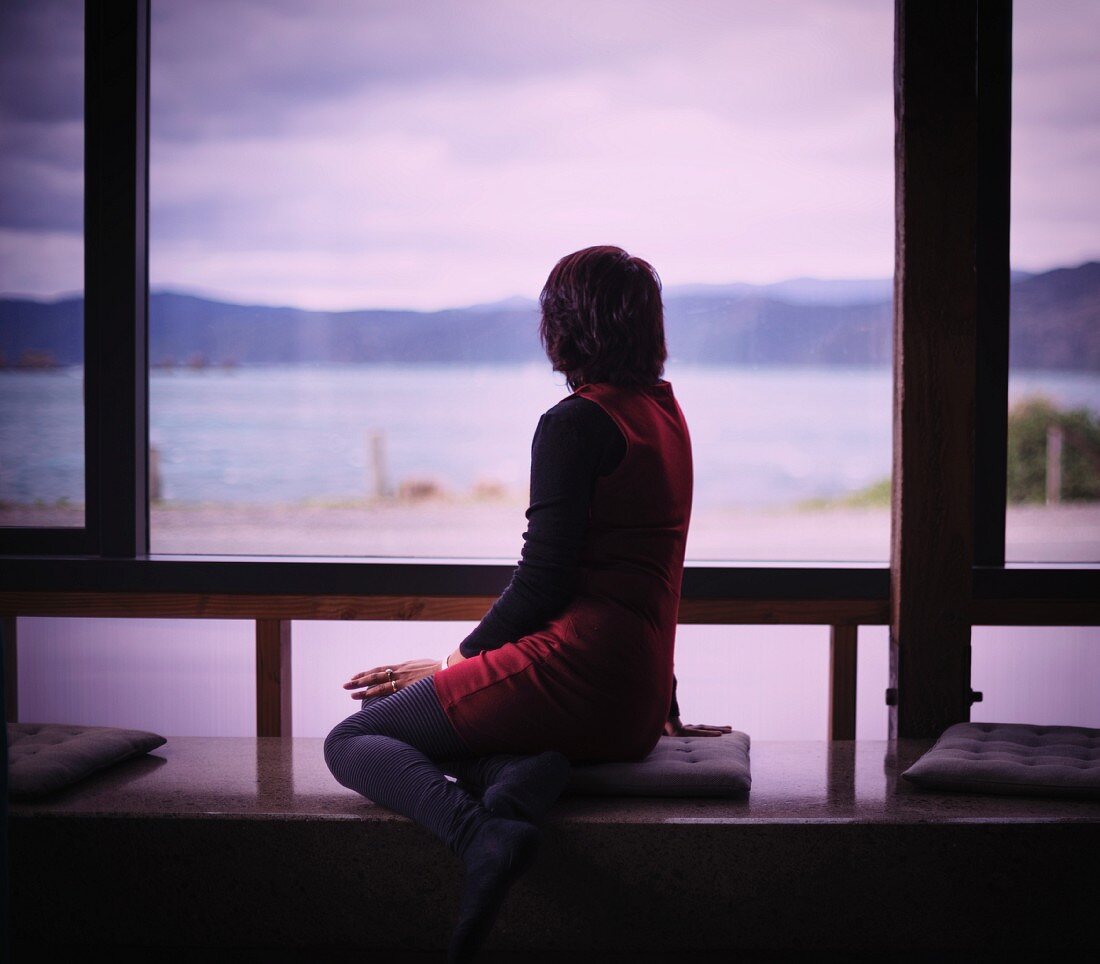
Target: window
pixel 41 263
pixel 1054 380
pixel 342 451
pixel 177 677
pixel 355 206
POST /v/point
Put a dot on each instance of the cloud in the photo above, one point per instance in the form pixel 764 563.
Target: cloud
pixel 1056 133
pixel 41 116
pixel 41 61
pixel 486 140
pixel 41 263
pixel 343 153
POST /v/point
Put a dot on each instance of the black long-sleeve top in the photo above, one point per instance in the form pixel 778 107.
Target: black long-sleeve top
pixel 575 442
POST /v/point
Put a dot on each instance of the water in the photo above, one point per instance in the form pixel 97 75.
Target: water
pixel 42 435
pixel 285 433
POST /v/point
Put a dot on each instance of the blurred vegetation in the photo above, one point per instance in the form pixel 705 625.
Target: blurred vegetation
pixel 1028 424
pixel 871 496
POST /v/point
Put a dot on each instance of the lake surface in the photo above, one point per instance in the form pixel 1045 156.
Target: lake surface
pixel 286 433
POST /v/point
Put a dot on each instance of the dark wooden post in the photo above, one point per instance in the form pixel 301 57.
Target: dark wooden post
pixel 935 308
pixel 843 653
pixel 8 628
pixel 273 688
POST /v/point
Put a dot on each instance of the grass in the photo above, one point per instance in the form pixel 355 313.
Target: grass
pixel 873 496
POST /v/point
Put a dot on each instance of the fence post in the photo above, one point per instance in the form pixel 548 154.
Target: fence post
pixel 1054 464
pixel 376 456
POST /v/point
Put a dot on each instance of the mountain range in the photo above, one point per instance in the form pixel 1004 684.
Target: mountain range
pixel 1055 325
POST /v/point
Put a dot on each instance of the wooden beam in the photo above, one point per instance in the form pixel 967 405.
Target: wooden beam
pixel 843 665
pixel 1034 612
pixel 935 305
pixel 432 608
pixel 815 612
pixel 8 628
pixel 1016 611
pixel 273 678
pixel 244 606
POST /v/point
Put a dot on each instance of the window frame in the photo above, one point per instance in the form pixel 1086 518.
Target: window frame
pixel 111 551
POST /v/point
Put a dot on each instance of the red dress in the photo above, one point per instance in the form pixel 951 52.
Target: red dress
pixel 596 681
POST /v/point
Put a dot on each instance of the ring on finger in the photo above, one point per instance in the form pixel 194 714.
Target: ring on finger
pixel 394 685
pixel 389 673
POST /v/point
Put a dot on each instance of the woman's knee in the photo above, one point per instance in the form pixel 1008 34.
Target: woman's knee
pixel 358 724
pixel 332 742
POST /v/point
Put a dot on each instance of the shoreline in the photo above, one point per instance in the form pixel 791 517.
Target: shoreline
pixel 492 528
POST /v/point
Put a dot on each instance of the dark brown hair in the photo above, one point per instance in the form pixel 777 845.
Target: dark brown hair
pixel 602 318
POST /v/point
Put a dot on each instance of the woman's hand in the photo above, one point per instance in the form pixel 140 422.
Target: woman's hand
pixel 675 728
pixel 386 680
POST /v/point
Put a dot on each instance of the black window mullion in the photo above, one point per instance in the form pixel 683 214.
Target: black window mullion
pixel 48 541
pixel 116 164
pixel 994 86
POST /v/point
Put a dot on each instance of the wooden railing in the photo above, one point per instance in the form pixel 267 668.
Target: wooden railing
pixel 273 616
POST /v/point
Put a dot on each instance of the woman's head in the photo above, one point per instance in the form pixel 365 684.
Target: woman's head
pixel 602 319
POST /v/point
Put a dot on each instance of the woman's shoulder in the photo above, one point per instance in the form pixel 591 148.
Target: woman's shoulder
pixel 579 415
pixel 581 411
pixel 582 421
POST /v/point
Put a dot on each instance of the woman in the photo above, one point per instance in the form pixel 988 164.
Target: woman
pixel 573 663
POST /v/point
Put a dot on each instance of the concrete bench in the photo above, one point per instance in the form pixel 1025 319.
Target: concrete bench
pixel 249 843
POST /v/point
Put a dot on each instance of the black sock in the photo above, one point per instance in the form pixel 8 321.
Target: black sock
pixel 527 786
pixel 496 854
pixel 513 786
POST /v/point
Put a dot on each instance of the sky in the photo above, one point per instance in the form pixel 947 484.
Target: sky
pixel 340 154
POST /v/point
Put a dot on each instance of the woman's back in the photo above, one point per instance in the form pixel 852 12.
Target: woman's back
pixel 595 682
pixel 640 512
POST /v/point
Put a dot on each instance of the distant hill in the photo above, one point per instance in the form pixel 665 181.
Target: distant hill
pixel 1056 320
pixel 1056 324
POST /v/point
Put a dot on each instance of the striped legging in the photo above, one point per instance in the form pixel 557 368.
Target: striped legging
pixel 397 751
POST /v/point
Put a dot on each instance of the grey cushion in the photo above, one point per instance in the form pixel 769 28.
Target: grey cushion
pixel 1012 758
pixel 44 757
pixel 679 766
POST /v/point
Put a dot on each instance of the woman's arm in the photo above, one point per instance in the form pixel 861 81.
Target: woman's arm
pixel 575 442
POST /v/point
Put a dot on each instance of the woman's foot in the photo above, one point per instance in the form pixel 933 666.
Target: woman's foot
pixel 499 852
pixel 527 787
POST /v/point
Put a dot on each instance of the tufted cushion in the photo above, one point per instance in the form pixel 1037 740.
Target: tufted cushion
pixel 679 766
pixel 1012 758
pixel 44 757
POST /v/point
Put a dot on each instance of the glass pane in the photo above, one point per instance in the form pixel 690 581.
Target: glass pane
pixel 873 676
pixel 325 654
pixel 768 681
pixel 1043 675
pixel 1054 377
pixel 175 677
pixel 355 206
pixel 42 263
